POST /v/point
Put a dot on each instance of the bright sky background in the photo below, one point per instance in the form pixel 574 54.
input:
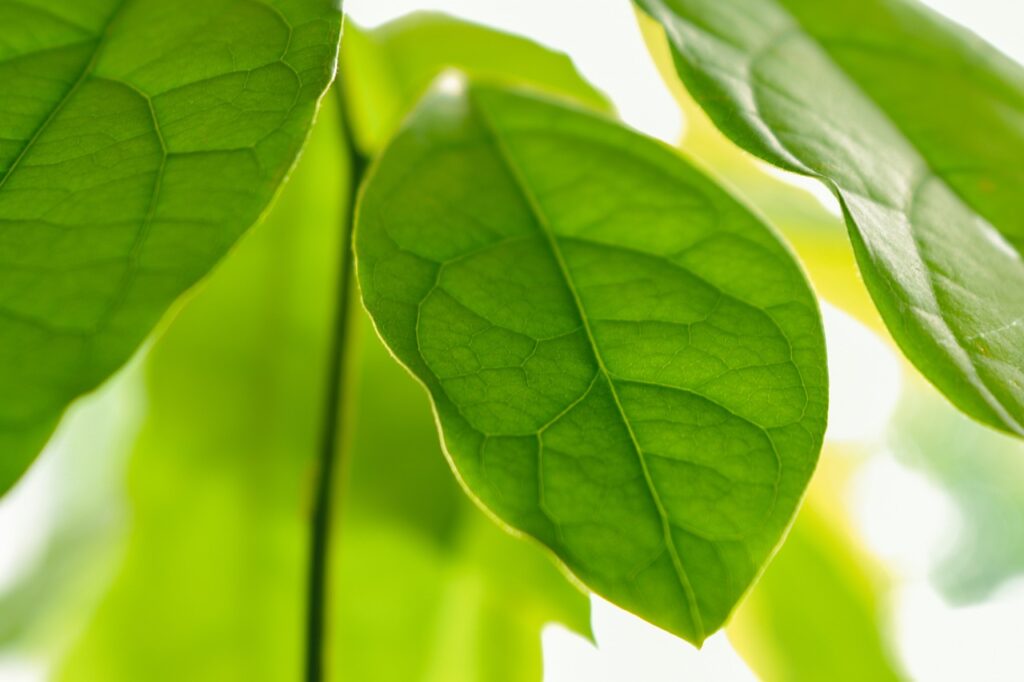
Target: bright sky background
pixel 903 517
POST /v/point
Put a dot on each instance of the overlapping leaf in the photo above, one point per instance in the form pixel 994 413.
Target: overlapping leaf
pixel 626 364
pixel 138 139
pixel 212 585
pixel 918 127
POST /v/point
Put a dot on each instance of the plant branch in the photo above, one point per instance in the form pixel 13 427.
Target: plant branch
pixel 331 446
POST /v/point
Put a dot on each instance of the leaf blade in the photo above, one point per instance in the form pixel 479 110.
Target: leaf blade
pixel 916 126
pixel 483 279
pixel 140 141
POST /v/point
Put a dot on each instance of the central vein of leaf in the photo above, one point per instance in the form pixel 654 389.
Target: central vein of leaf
pixel 545 228
pixel 69 94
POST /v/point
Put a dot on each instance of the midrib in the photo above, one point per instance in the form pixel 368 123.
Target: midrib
pixel 100 39
pixel 545 228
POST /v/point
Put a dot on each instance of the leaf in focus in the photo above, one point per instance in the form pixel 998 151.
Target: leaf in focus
pixel 626 364
pixel 817 613
pixel 213 581
pixel 386 70
pixel 983 474
pixel 138 140
pixel 917 126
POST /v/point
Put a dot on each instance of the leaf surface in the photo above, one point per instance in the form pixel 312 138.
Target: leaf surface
pixel 626 364
pixel 918 127
pixel 138 140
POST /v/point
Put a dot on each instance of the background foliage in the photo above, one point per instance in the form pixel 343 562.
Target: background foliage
pixel 178 545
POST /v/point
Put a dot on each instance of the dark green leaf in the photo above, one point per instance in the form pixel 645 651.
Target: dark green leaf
pixel 626 364
pixel 918 127
pixel 138 140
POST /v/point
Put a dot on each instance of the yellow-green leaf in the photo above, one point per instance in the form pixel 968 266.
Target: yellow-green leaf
pixel 626 364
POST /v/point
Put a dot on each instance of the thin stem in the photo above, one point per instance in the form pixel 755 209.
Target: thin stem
pixel 332 426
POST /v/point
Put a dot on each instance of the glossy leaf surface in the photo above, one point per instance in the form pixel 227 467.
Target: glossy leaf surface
pixel 918 127
pixel 625 363
pixel 138 140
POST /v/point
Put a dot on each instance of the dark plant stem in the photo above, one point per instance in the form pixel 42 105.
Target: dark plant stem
pixel 331 446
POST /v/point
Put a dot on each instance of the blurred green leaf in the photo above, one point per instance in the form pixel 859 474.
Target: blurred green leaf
pixel 387 69
pixel 627 365
pixel 815 613
pixel 983 472
pixel 918 127
pixel 138 140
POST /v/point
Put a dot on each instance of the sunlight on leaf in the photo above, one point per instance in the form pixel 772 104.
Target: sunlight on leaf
pixel 138 140
pixel 626 364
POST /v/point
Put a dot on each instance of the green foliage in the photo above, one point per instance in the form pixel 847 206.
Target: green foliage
pixel 626 364
pixel 386 70
pixel 815 614
pixel 220 482
pixel 918 127
pixel 138 140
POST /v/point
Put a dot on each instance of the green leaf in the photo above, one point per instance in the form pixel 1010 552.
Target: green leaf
pixel 818 611
pixel 918 128
pixel 138 140
pixel 386 70
pixel 625 363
